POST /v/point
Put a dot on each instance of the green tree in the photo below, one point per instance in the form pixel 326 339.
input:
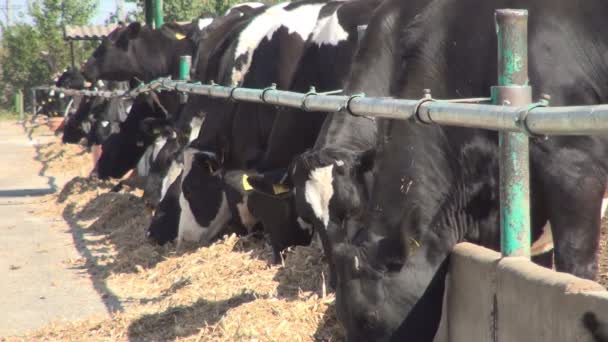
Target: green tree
pixel 33 53
pixel 186 10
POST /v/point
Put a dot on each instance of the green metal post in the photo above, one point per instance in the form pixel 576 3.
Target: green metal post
pixel 513 90
pixel 158 13
pixel 185 62
pixel 149 13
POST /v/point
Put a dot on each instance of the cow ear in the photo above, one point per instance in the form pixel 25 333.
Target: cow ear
pixel 133 30
pixel 272 183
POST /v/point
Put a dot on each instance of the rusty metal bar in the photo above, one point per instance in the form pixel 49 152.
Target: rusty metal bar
pixel 513 90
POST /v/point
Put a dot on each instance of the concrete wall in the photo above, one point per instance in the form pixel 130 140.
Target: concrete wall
pixel 496 299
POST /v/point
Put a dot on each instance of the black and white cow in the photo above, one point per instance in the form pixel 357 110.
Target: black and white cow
pixel 333 178
pixel 138 53
pixel 269 49
pixel 435 186
pixel 96 118
pixel 211 62
pixel 326 64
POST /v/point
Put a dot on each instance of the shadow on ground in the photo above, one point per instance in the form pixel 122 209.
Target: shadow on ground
pixel 181 321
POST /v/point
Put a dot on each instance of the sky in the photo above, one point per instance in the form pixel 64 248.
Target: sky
pixel 104 8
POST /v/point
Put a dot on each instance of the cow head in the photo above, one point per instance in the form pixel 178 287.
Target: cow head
pixel 72 78
pixel 204 206
pixel 383 279
pixel 122 151
pixel 329 184
pixel 324 187
pixel 165 221
pixel 139 52
pixel 160 157
pixel 115 58
pixel 273 203
pixel 108 120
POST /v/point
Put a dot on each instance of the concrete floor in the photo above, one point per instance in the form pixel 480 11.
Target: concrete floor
pixel 37 285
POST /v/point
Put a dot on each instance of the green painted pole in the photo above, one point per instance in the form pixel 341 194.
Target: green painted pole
pixel 513 90
pixel 158 13
pixel 185 63
pixel 149 13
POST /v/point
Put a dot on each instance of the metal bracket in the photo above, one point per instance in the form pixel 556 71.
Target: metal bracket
pixel 349 111
pixel 273 86
pixel 522 117
pixel 231 96
pixel 311 92
pixel 416 113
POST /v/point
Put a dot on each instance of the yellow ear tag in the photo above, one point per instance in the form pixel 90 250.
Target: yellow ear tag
pixel 279 189
pixel 179 36
pixel 246 185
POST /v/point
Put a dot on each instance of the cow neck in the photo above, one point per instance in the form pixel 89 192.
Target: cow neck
pixel 167 56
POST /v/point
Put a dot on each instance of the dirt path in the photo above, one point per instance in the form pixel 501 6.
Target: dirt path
pixel 38 285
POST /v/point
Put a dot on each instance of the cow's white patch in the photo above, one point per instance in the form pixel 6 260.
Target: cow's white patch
pixel 122 116
pixel 319 190
pixel 544 243
pixel 329 31
pixel 202 23
pixel 301 20
pixel 195 128
pixel 143 165
pixel 247 219
pixel 105 123
pixel 250 4
pixel 158 146
pixel 305 225
pixel 189 230
pixel 174 171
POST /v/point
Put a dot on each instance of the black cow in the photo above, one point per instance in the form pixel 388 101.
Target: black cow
pixel 56 103
pixel 122 151
pixel 139 52
pixel 436 185
pixel 597 328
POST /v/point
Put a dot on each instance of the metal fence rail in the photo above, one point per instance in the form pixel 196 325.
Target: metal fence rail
pixel 536 119
pixel 511 114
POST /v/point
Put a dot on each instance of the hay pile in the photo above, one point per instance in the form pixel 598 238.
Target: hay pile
pixel 224 292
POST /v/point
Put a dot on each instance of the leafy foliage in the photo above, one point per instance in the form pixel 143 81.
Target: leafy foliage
pixel 32 54
pixel 186 10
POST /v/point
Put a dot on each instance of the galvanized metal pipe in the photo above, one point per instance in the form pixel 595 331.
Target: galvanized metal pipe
pixel 513 90
pixel 579 120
